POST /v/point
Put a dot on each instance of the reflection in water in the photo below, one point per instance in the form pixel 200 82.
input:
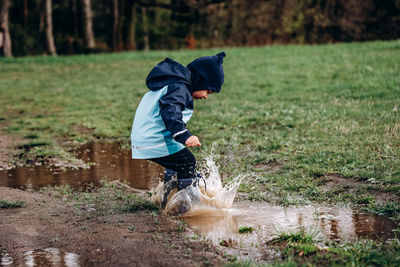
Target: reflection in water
pixel 334 223
pixel 49 257
pixel 5 259
pixel 221 223
pixel 110 162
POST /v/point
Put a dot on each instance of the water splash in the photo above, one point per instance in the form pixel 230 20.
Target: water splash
pixel 212 197
pixel 217 195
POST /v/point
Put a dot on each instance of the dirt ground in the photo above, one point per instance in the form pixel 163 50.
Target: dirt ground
pixel 125 239
pixel 353 187
pixel 128 239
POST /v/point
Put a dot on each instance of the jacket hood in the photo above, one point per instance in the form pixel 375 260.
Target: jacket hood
pixel 166 72
pixel 207 73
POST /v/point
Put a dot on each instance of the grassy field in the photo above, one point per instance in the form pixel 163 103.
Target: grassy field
pixel 309 123
pixel 315 111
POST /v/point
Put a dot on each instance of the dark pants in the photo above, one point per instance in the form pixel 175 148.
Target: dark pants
pixel 182 163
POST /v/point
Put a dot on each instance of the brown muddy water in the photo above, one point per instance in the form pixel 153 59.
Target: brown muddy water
pixel 110 162
pixel 218 222
pixel 329 223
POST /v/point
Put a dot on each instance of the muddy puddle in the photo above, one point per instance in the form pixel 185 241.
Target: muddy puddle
pixel 332 222
pixel 218 219
pixel 266 221
pixel 52 257
pixel 110 162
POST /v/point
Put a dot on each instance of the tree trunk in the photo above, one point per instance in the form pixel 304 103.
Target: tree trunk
pixel 115 25
pixel 51 48
pixel 41 22
pixel 4 31
pixel 75 11
pixel 26 13
pixel 120 43
pixel 145 29
pixel 132 28
pixel 236 22
pixel 88 20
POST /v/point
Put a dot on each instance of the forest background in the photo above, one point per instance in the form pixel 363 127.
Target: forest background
pixel 37 27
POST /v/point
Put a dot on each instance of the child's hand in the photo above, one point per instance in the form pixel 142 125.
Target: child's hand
pixel 192 141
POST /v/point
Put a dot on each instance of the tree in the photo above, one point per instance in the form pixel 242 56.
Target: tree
pixel 51 48
pixel 131 39
pixel 145 29
pixel 117 26
pixel 88 22
pixel 6 42
pixel 26 13
pixel 167 24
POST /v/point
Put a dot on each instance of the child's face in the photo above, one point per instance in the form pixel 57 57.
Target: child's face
pixel 201 94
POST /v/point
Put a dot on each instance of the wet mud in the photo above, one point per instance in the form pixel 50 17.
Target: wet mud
pixel 107 161
pixel 111 239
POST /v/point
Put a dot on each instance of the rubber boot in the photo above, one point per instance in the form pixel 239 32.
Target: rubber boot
pixel 192 192
pixel 170 184
pixel 168 175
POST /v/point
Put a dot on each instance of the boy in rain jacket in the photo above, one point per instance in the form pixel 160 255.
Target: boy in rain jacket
pixel 159 129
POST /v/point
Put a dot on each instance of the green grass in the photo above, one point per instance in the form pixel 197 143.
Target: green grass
pixel 245 229
pixel 358 253
pixel 301 236
pixel 312 110
pixel 391 209
pixel 134 204
pixel 298 243
pixel 304 248
pixel 111 198
pixel 4 204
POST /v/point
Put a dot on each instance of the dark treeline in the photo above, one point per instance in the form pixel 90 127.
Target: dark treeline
pixel 83 26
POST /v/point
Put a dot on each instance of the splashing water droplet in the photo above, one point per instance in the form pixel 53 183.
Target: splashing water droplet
pixel 209 197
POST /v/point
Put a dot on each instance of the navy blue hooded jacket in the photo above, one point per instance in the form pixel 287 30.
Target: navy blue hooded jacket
pixel 159 127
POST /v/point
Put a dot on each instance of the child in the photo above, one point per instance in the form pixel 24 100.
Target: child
pixel 159 129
